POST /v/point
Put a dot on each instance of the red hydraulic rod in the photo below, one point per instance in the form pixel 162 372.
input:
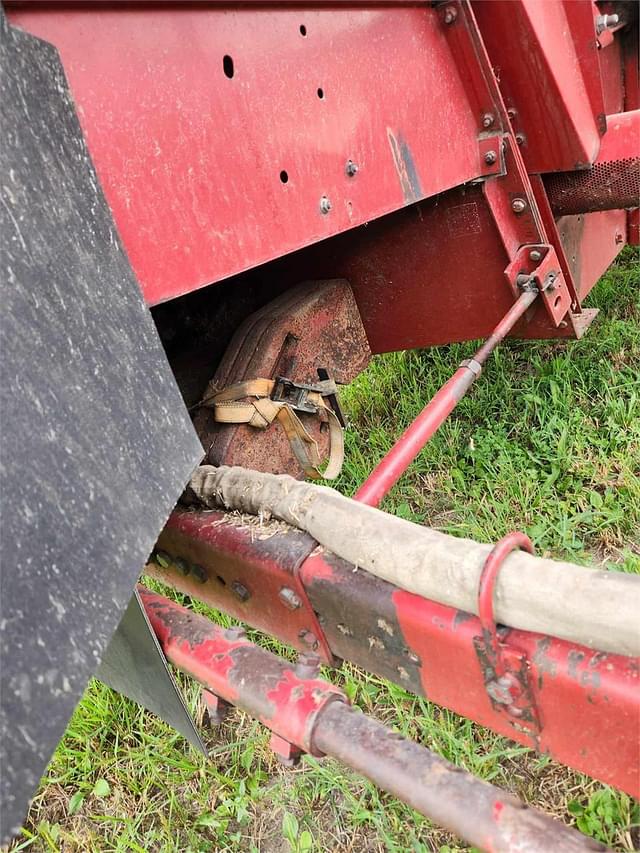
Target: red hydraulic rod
pixel 389 470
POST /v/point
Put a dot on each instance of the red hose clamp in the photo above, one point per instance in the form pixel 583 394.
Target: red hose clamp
pixel 505 670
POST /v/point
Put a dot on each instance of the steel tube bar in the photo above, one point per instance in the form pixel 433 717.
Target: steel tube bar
pixel 300 710
pixel 227 664
pixel 389 470
pixel 477 811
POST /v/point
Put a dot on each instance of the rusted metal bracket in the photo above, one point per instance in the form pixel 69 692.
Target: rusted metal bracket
pixel 505 670
pixel 539 264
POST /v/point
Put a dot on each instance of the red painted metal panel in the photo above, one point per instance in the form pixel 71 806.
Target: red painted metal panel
pixel 592 241
pixel 430 275
pixel 245 569
pixel 547 59
pixel 583 697
pixel 193 160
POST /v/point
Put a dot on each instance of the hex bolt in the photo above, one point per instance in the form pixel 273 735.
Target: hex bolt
pixel 450 14
pixel 351 169
pixel 518 205
pixel 199 573
pixel 512 112
pixel 619 238
pixel 520 138
pixel 490 158
pixel 325 205
pixel 606 22
pixel 240 591
pixel 182 567
pixel 535 255
pixel 309 639
pixel 289 598
pixel 487 119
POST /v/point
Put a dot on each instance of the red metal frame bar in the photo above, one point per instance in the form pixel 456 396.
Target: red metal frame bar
pixel 586 702
pixel 389 470
pixel 312 715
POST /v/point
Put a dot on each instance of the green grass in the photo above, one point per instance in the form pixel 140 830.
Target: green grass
pixel 548 441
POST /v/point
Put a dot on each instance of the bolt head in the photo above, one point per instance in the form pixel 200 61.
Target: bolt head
pixel 450 14
pixel 518 205
pixel 351 168
pixel 309 639
pixel 490 158
pixel 325 205
pixel 199 573
pixel 240 591
pixel 289 598
pixel 535 255
pixel 182 566
pixel 606 22
pixel 215 708
pixel 520 138
pixel 512 112
pixel 487 120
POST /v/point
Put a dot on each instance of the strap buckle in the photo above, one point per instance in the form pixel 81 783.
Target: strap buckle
pixel 296 395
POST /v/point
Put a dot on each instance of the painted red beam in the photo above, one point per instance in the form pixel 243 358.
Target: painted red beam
pixel 587 703
pixel 312 714
pixel 389 470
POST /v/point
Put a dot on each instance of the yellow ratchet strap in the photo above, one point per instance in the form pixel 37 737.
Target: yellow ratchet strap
pixel 229 407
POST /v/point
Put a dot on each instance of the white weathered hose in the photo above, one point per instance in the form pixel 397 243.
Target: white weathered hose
pixel 592 607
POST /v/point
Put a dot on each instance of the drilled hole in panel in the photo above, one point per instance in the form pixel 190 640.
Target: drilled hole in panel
pixel 321 93
pixel 284 177
pixel 303 30
pixel 556 301
pixel 227 66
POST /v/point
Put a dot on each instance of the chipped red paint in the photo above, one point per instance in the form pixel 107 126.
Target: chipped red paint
pixel 296 703
pixel 313 715
pixel 207 657
pixel 587 700
pixel 232 668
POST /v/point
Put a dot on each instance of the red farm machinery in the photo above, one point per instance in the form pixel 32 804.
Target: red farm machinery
pixel 213 215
